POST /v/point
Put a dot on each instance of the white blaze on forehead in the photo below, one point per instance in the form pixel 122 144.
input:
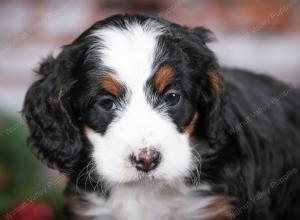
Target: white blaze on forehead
pixel 131 51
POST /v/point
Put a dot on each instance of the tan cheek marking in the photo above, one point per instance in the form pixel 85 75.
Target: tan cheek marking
pixel 216 83
pixel 111 85
pixel 190 128
pixel 221 208
pixel 87 129
pixel 163 78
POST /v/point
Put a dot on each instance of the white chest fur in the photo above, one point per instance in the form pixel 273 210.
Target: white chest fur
pixel 150 203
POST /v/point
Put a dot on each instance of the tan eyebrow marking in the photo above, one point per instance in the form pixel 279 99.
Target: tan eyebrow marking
pixel 190 127
pixel 163 77
pixel 111 85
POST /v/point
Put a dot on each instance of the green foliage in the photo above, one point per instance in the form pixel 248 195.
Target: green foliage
pixel 21 175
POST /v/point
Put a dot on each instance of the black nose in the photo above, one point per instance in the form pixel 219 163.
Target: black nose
pixel 146 160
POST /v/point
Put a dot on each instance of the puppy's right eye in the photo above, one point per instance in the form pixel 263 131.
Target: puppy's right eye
pixel 172 98
pixel 107 104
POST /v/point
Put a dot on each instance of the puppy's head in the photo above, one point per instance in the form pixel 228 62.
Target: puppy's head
pixel 128 95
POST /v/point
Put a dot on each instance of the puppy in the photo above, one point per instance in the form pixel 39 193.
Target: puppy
pixel 145 124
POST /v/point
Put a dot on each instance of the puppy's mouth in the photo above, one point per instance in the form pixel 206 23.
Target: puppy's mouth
pixel 145 179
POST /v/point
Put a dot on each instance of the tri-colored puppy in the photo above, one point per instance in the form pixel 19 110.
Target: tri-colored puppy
pixel 147 126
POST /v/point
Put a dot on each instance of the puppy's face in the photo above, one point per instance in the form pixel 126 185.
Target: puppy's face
pixel 136 95
pixel 139 118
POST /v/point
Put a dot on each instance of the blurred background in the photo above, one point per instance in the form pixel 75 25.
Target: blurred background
pixel 263 36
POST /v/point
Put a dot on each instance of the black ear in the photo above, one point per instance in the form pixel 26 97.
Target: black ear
pixel 54 136
pixel 197 34
pixel 204 34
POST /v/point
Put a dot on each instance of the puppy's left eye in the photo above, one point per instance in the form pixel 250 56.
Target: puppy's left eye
pixel 107 104
pixel 172 98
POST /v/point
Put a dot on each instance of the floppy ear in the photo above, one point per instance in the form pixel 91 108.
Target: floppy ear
pixel 53 134
pixel 215 124
pixel 214 78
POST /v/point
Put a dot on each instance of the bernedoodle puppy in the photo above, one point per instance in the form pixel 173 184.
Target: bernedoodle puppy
pixel 146 125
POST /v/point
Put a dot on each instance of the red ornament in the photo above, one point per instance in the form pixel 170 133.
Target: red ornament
pixel 31 211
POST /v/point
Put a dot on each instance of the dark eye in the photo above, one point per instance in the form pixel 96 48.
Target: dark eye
pixel 172 98
pixel 107 104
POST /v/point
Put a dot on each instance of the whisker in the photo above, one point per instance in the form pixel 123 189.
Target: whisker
pixel 80 174
pixel 88 174
pixel 196 162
